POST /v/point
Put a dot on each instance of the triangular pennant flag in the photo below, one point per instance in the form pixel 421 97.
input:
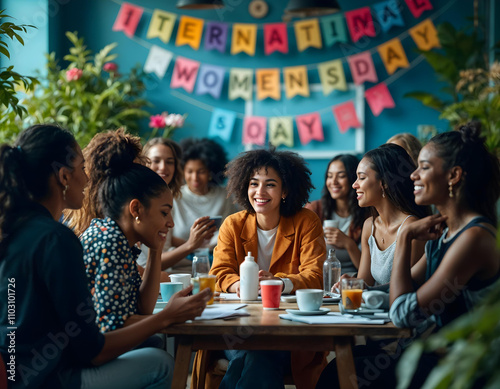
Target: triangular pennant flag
pixel 345 116
pixel 307 34
pixel 128 18
pixel 189 32
pixel 362 68
pixel 281 131
pixel 296 82
pixel 268 84
pixel 417 7
pixel 244 38
pixel 333 28
pixel 240 84
pixel 158 61
pixel 254 130
pixel 275 38
pixel 210 80
pixel 216 36
pixel 378 98
pixel 222 124
pixel 161 25
pixel 425 35
pixel 309 127
pixel 388 14
pixel 393 55
pixel 331 75
pixel 360 23
pixel 184 75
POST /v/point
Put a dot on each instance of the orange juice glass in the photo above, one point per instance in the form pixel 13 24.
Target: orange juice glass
pixel 207 281
pixel 352 290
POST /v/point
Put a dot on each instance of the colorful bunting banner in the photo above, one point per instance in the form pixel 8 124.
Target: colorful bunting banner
pixel 184 75
pixel 309 127
pixel 393 55
pixel 254 130
pixel 378 98
pixel 307 34
pixel 240 84
pixel 296 82
pixel 210 80
pixel 425 35
pixel 222 124
pixel 275 38
pixel 333 28
pixel 161 25
pixel 417 7
pixel 362 68
pixel 388 14
pixel 281 131
pixel 345 116
pixel 268 84
pixel 360 23
pixel 216 36
pixel 128 18
pixel 189 32
pixel 158 61
pixel 331 75
pixel 244 38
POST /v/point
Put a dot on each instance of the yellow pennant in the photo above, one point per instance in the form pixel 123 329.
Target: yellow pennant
pixel 244 38
pixel 296 82
pixel 268 84
pixel 393 55
pixel 281 131
pixel 332 76
pixel 161 25
pixel 307 34
pixel 425 35
pixel 189 32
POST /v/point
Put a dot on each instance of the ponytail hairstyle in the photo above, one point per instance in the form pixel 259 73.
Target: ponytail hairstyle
pixel 394 166
pixel 479 187
pixel 124 181
pixel 25 169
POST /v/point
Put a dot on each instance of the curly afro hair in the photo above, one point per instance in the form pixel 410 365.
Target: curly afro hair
pixel 291 168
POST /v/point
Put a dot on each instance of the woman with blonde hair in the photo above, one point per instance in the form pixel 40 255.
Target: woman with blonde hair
pixel 408 142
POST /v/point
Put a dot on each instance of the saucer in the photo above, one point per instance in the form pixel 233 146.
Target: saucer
pixel 322 311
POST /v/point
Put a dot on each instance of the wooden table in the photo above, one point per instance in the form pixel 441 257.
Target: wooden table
pixel 264 330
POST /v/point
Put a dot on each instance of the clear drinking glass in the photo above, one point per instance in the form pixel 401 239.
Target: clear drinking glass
pixel 201 265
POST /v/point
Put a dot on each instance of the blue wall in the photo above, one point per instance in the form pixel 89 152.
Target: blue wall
pixel 93 19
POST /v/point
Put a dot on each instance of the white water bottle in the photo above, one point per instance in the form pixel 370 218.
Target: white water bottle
pixel 331 272
pixel 249 278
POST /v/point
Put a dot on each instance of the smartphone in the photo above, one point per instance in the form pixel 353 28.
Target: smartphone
pixel 217 220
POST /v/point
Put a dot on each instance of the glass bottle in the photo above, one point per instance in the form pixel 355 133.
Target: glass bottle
pixel 331 272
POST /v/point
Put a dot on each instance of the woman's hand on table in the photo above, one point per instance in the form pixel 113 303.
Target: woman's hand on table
pixel 337 286
pixel 182 307
pixel 235 288
pixel 265 275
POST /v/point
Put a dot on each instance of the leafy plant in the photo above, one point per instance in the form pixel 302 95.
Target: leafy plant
pixel 86 97
pixel 9 79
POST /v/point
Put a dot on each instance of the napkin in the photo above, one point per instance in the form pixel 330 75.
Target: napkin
pixel 376 299
pixel 222 311
pixel 233 297
pixel 332 318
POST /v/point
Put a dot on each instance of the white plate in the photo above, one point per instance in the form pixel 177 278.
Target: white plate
pixel 322 311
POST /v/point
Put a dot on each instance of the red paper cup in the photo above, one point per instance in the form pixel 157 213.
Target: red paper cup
pixel 270 291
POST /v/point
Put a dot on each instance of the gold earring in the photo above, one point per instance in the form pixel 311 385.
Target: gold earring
pixel 450 189
pixel 383 193
pixel 64 191
pixel 137 220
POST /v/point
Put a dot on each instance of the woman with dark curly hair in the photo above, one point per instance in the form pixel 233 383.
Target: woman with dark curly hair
pixel 203 162
pixel 338 202
pixel 288 244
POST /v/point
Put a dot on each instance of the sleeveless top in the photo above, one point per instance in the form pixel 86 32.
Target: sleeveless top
pixel 381 260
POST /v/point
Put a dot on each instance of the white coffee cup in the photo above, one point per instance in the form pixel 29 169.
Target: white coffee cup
pixel 330 223
pixel 181 277
pixel 309 299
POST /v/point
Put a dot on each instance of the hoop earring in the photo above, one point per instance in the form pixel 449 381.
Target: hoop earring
pixel 450 190
pixel 64 192
pixel 137 220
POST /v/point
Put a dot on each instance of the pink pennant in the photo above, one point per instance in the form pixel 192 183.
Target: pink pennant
pixel 275 38
pixel 254 130
pixel 128 18
pixel 417 7
pixel 360 23
pixel 362 68
pixel 345 116
pixel 309 127
pixel 378 98
pixel 184 75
